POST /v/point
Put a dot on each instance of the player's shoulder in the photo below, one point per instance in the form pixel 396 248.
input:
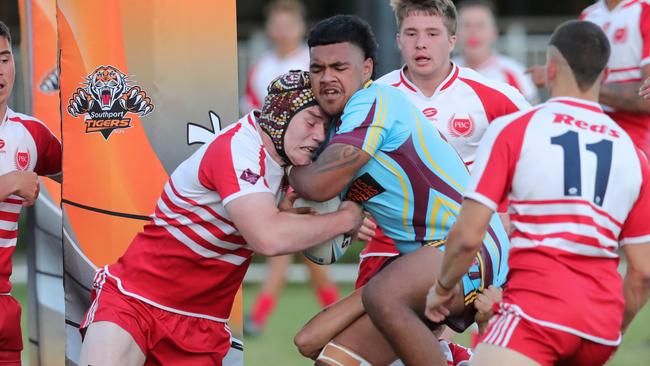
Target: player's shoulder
pixel 592 10
pixel 490 88
pixel 22 118
pixel 392 78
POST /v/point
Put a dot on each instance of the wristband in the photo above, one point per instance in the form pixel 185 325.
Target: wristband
pixel 447 289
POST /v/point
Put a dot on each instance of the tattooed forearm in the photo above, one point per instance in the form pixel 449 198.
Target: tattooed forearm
pixel 328 176
pixel 624 96
pixel 335 157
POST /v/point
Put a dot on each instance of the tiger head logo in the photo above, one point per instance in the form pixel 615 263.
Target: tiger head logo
pixel 107 96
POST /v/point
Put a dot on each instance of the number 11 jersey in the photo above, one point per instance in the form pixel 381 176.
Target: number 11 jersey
pixel 578 189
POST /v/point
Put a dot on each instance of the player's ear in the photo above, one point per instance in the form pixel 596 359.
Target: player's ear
pixel 452 43
pixel 368 66
pixel 551 70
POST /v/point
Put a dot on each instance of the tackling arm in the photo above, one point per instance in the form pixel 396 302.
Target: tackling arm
pixel 270 232
pixel 636 284
pixel 329 174
pixel 463 242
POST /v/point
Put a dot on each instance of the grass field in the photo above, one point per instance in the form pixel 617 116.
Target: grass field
pixel 297 305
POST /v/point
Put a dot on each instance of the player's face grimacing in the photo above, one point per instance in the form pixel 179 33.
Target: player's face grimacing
pixel 337 71
pixel 305 134
pixel 425 44
pixel 476 30
pixel 7 71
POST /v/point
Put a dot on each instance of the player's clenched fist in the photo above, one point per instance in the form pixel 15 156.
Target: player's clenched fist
pixel 356 215
pixel 22 184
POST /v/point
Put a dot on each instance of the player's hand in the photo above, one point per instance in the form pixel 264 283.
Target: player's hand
pixel 484 303
pixel 367 229
pixel 438 302
pixel 24 185
pixel 286 204
pixel 538 75
pixel 355 212
pixel 644 91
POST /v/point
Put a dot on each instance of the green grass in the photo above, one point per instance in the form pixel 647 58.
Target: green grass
pixel 297 305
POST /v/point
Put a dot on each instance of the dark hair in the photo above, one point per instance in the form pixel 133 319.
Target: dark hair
pixel 489 5
pixel 4 31
pixel 585 47
pixel 345 28
pixel 442 8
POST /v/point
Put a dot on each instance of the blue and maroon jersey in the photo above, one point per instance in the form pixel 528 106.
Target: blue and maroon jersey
pixel 413 183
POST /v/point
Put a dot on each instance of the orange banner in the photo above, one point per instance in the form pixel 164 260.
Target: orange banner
pixel 133 75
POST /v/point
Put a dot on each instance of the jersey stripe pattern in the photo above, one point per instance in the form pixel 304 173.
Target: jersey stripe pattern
pixel 578 189
pixel 190 259
pixel 26 144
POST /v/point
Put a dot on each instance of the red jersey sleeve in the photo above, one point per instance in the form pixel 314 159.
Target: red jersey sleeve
pixel 497 158
pixel 48 147
pixel 234 166
pixel 635 228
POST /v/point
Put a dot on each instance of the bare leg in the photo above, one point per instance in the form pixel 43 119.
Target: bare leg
pixel 395 298
pixel 328 323
pixel 326 290
pixel 276 275
pixel 107 344
pixel 364 339
pixel 488 355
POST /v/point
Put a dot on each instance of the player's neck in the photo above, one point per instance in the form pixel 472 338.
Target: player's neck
pixel 568 90
pixel 284 52
pixel 611 4
pixel 477 60
pixel 3 112
pixel 429 83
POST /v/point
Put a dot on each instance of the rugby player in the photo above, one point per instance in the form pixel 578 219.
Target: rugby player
pixel 594 201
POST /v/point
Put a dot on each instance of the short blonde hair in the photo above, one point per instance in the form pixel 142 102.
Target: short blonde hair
pixel 442 8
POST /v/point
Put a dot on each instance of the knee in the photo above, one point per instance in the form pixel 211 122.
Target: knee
pixel 305 342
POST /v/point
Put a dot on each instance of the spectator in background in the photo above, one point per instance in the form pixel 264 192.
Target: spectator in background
pixel 477 35
pixel 627 26
pixel 285 27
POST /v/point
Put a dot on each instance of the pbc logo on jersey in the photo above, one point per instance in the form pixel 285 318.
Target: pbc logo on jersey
pixel 461 127
pixel 2 144
pixel 620 35
pixel 22 160
pixel 430 113
pixel 107 97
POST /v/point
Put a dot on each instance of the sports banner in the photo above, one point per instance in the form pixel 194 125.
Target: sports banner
pixel 45 256
pixel 143 83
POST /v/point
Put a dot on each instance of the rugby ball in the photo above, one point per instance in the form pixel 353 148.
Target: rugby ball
pixel 333 249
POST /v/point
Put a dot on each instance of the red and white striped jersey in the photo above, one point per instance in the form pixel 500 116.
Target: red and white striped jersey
pixel 190 259
pixel 506 70
pixel 26 144
pixel 628 28
pixel 269 67
pixel 578 189
pixel 462 107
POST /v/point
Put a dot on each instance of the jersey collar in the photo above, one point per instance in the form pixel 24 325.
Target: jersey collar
pixel 577 102
pixel 444 85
